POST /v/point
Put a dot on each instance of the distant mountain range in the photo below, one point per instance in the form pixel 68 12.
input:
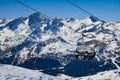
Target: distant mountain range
pixel 55 41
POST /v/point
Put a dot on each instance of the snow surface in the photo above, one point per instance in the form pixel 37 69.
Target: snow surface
pixel 107 75
pixel 9 72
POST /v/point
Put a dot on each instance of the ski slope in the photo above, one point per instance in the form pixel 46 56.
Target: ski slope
pixel 9 72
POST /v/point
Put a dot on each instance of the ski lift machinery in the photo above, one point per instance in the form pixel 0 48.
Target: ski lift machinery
pixel 80 50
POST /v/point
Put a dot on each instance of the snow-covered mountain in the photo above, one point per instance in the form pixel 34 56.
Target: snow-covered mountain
pixel 55 41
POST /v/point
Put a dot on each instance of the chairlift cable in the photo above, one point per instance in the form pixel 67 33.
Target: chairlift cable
pixel 81 9
pixel 32 8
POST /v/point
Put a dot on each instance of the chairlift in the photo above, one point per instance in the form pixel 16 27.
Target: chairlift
pixel 85 52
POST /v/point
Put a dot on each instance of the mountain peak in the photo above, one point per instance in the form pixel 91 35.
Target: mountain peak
pixel 37 18
pixel 37 14
pixel 93 18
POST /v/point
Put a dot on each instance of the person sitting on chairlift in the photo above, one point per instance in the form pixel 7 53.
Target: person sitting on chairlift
pixel 85 54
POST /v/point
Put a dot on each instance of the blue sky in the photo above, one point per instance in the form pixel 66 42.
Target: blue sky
pixel 108 10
